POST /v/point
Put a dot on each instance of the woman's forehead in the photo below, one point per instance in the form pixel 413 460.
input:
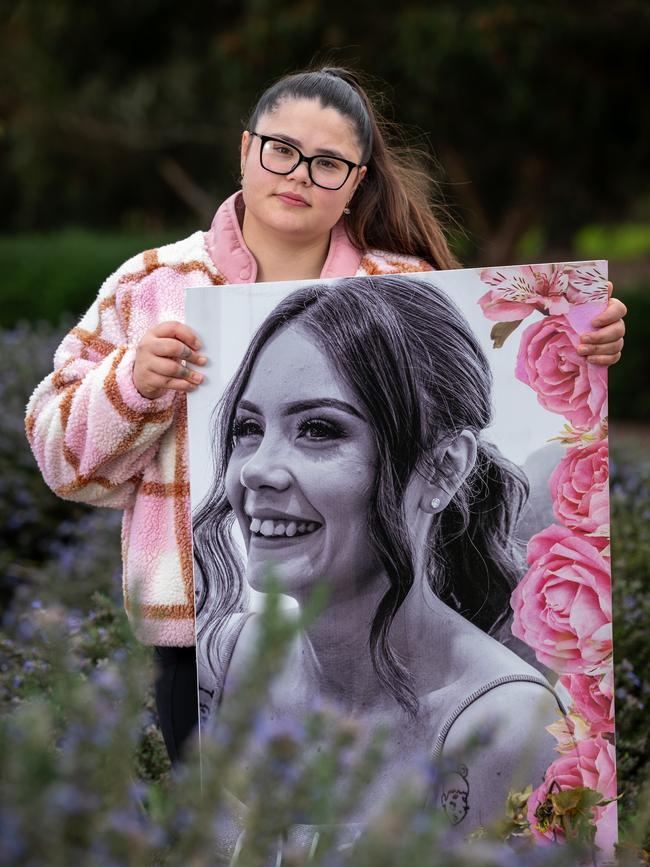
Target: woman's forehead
pixel 292 365
pixel 309 123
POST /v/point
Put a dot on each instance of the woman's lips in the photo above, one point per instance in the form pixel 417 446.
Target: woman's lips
pixel 257 540
pixel 284 526
pixel 270 533
pixel 290 199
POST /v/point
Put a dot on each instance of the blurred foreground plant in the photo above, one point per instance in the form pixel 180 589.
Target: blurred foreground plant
pixel 43 538
pixel 70 793
pixel 84 774
pixel 630 508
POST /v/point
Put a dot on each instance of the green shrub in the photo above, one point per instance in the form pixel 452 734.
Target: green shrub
pixel 49 548
pixel 69 794
pixel 44 276
pixel 630 505
pixel 85 777
pixel 623 242
pixel 629 395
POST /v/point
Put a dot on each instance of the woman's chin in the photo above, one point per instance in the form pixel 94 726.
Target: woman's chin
pixel 288 561
pixel 262 576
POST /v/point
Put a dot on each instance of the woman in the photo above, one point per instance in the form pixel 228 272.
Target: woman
pixel 350 449
pixel 108 426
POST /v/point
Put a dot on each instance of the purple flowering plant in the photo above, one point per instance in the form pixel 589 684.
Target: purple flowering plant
pixel 84 777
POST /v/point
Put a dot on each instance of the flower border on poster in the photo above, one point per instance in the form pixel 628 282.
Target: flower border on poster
pixel 562 605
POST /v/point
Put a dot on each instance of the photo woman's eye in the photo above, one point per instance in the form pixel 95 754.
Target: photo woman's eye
pixel 243 428
pixel 320 429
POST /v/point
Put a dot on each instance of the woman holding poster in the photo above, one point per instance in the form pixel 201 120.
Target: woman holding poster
pixel 322 194
pixel 350 448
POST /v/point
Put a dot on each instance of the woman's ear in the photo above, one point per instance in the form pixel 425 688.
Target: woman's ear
pixel 360 176
pixel 243 150
pixel 455 460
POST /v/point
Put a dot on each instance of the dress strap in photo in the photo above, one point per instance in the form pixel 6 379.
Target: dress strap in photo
pixel 481 691
pixel 213 672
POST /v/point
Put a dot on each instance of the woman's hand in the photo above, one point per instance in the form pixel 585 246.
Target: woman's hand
pixel 604 345
pixel 161 360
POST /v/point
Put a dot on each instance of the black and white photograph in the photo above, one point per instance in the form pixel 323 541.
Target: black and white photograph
pixel 366 435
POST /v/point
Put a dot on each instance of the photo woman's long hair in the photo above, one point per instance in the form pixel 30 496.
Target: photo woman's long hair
pixel 421 377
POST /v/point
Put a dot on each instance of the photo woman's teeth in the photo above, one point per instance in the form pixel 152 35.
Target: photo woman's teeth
pixel 282 528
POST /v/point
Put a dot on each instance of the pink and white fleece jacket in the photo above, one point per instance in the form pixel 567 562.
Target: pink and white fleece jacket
pixel 97 440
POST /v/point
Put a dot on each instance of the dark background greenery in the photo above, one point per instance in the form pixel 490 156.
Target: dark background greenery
pixel 119 129
pixel 537 111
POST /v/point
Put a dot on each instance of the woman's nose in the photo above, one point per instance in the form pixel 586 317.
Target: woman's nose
pixel 301 172
pixel 264 469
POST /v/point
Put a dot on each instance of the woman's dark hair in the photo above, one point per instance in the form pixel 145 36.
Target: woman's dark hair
pixel 392 208
pixel 422 378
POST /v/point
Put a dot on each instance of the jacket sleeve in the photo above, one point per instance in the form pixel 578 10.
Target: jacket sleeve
pixel 91 431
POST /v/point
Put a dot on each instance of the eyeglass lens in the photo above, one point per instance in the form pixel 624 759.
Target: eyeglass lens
pixel 325 171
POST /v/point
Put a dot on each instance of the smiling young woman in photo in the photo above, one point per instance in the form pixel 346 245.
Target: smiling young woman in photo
pixel 349 448
pixel 322 195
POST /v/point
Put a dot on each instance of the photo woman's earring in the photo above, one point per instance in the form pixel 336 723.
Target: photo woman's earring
pixel 346 210
pixel 435 503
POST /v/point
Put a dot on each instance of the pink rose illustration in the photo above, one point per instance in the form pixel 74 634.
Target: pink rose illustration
pixel 517 292
pixel 562 606
pixel 579 489
pixel 563 381
pixel 593 698
pixel 591 764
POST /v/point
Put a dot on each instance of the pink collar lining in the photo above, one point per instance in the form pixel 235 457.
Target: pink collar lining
pixel 228 250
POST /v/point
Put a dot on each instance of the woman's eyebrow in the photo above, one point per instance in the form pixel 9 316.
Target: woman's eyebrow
pixel 303 405
pixel 318 403
pixel 328 152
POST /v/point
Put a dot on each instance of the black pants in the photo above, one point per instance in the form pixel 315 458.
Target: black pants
pixel 176 696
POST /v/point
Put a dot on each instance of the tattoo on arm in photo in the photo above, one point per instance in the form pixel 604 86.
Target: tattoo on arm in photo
pixel 455 795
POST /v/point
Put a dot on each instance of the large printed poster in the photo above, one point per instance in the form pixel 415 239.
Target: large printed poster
pixel 433 449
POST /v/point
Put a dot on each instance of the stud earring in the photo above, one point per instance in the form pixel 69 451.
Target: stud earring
pixel 435 502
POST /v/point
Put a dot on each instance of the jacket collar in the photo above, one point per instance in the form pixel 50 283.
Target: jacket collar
pixel 231 256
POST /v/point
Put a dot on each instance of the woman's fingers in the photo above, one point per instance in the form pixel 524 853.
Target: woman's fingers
pixel 170 374
pixel 174 369
pixel 608 334
pixel 602 349
pixel 179 330
pixel 614 312
pixel 168 347
pixel 604 345
pixel 176 384
pixel 604 360
pixel 163 357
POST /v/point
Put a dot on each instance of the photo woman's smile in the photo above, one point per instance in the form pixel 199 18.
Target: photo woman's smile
pixel 302 468
pixel 270 526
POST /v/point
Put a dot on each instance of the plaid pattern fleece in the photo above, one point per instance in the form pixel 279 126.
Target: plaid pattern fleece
pixel 97 440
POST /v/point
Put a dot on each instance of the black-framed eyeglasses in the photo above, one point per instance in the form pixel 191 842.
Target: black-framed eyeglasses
pixel 281 158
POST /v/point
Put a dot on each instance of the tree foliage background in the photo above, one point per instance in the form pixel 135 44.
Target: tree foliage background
pixel 119 130
pixel 128 114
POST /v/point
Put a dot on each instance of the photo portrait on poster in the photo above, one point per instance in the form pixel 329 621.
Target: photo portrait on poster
pixel 433 449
